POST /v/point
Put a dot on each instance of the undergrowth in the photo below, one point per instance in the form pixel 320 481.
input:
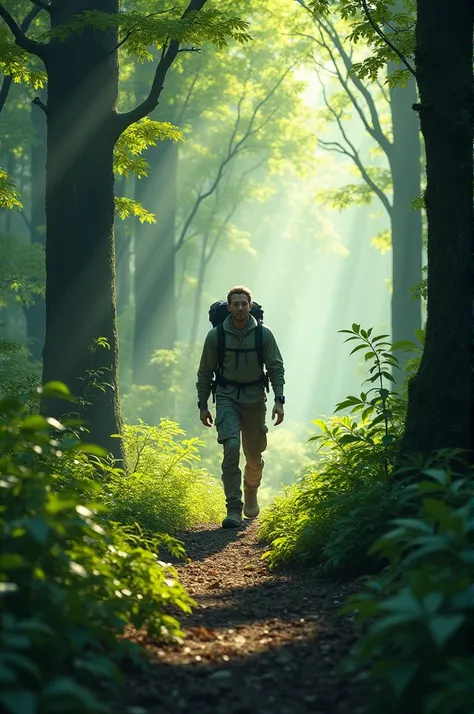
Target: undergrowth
pixel 71 579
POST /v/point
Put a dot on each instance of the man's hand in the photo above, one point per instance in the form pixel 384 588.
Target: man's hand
pixel 206 417
pixel 278 412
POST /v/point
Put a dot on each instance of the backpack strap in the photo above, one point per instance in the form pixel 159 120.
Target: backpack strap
pixel 220 359
pixel 259 348
pixel 259 343
pixel 220 346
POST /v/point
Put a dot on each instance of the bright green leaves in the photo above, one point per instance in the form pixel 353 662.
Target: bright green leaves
pixel 128 160
pixel 359 193
pixel 138 32
pixel 18 64
pixel 135 140
pixel 129 208
pixel 371 22
pixel 9 196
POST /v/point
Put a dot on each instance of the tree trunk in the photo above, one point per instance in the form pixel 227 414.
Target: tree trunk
pixel 35 314
pixel 155 297
pixel 80 261
pixel 406 222
pixel 440 396
pixel 122 243
pixel 122 257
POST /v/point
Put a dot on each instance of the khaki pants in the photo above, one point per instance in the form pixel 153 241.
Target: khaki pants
pixel 232 419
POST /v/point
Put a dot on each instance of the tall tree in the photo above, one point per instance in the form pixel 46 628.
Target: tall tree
pixel 399 144
pixel 440 407
pixel 83 127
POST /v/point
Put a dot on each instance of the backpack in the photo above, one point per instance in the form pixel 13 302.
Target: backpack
pixel 217 314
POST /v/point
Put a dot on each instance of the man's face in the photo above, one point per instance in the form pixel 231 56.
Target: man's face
pixel 239 307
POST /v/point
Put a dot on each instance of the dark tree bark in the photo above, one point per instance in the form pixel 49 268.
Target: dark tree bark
pixel 440 396
pixel 406 223
pixel 155 290
pixel 35 314
pixel 80 284
pixel 83 126
pixel 122 257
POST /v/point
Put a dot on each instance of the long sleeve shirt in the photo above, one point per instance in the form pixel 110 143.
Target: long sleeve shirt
pixel 240 367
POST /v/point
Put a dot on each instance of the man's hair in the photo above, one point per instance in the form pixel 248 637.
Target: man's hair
pixel 239 290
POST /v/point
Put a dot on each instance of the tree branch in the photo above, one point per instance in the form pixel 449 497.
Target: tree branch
pixel 384 37
pixel 4 91
pixel 151 102
pixel 233 149
pixel 188 97
pixel 374 129
pixel 352 153
pixel 8 80
pixel 134 28
pixel 39 103
pixel 42 5
pixel 18 32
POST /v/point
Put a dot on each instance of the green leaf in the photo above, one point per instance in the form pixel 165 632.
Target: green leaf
pixel 19 701
pixel 443 627
pixel 13 561
pixel 437 474
pixel 400 676
pixel 39 529
pixel 35 422
pixel 403 602
pixel 93 449
pixel 68 689
pixel 55 389
pixel 359 347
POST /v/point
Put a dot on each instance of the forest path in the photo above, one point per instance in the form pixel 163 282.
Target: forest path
pixel 259 642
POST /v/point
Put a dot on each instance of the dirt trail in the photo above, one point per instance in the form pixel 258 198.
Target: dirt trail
pixel 259 642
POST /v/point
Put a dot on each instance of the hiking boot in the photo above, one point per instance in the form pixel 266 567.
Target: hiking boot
pixel 251 507
pixel 233 519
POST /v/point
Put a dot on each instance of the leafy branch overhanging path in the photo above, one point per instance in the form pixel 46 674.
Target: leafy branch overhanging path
pixel 259 641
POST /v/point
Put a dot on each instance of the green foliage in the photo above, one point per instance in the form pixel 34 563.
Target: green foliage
pixel 164 490
pixel 135 140
pixel 129 208
pixel 398 27
pixel 22 270
pixel 139 31
pixel 417 654
pixel 18 64
pixel 420 291
pixel 18 375
pixel 340 506
pixel 9 196
pixel 357 193
pixel 70 581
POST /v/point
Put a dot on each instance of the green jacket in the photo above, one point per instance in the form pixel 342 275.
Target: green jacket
pixel 241 367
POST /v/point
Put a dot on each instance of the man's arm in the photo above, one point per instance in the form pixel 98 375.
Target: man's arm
pixel 207 367
pixel 274 363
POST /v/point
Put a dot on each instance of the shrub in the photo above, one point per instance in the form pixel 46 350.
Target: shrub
pixel 70 581
pixel 344 502
pixel 164 489
pixel 418 656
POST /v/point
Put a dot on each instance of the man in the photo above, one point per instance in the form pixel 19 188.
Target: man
pixel 240 399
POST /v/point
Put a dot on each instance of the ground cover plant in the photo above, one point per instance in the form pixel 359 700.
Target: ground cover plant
pixel 164 489
pixel 332 515
pixel 417 655
pixel 70 579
